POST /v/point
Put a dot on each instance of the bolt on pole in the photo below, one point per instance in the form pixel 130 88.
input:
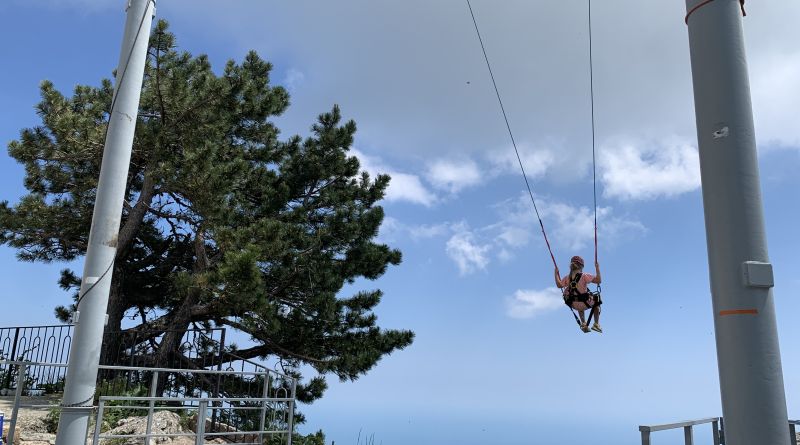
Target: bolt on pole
pixel 748 354
pixel 90 318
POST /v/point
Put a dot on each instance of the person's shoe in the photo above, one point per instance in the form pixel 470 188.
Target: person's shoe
pixel 584 328
pixel 596 327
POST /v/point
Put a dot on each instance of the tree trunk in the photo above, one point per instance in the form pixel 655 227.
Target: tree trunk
pixel 113 344
pixel 112 337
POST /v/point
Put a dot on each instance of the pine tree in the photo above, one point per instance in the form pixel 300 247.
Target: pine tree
pixel 224 223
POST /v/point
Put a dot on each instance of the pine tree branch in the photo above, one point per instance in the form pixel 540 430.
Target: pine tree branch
pixel 136 215
pixel 268 346
pixel 160 93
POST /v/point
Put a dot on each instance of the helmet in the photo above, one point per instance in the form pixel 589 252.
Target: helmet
pixel 576 260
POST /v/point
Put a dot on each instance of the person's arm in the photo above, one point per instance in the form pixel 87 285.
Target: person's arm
pixel 597 279
pixel 558 278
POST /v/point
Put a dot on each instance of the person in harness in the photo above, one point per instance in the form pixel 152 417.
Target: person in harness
pixel 576 292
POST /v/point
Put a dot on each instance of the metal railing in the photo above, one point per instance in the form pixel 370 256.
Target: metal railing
pixel 247 406
pixel 688 432
pixel 199 348
pixel 35 344
pixel 717 430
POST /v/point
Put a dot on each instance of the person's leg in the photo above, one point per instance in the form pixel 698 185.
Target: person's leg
pixel 596 325
pixel 584 327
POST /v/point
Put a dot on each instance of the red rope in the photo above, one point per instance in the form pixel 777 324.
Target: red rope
pixel 701 4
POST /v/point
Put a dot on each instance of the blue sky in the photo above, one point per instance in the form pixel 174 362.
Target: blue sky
pixel 496 359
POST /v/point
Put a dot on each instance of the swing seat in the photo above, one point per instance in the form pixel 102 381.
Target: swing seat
pixel 583 302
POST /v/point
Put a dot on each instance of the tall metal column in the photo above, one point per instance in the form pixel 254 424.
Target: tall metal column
pixel 90 319
pixel 748 355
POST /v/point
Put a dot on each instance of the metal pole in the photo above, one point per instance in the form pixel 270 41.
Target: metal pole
pixel 199 438
pixel 99 424
pixel 264 395
pixel 22 373
pixel 151 407
pixel 90 318
pixel 290 427
pixel 748 355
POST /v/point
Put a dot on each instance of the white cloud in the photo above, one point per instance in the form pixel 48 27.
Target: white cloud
pixel 427 231
pixel 527 303
pixel 468 254
pixel 453 176
pixel 294 78
pixel 389 230
pixel 568 226
pixel 647 170
pixel 776 93
pixel 402 187
pixel 536 161
pixel 514 236
pixel 407 187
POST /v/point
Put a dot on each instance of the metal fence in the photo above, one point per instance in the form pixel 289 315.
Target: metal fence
pixel 688 430
pixel 41 344
pixel 717 430
pixel 199 349
pixel 265 418
pixel 234 388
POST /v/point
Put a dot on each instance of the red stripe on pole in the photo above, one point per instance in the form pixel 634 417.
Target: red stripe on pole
pixel 739 312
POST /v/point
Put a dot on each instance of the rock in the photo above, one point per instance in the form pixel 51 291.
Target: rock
pixel 31 422
pixel 32 438
pixel 164 422
pixel 32 431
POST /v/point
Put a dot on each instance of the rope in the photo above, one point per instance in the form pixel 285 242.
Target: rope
pixel 591 95
pixel 701 4
pixel 511 134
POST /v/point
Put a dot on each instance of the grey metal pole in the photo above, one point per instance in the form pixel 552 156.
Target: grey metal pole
pixel 748 354
pixel 90 319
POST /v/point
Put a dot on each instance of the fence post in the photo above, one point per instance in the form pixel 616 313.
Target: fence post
pixel 264 395
pixel 201 423
pixel 687 435
pixel 645 437
pixel 22 370
pixel 290 425
pixel 151 405
pixel 715 431
pixel 792 434
pixel 99 424
pixel 220 360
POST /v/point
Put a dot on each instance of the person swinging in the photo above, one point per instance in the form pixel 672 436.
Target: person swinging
pixel 577 295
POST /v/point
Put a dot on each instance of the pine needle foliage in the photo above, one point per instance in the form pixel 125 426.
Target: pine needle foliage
pixel 225 223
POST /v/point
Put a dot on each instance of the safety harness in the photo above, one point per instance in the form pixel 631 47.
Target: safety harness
pixel 573 295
